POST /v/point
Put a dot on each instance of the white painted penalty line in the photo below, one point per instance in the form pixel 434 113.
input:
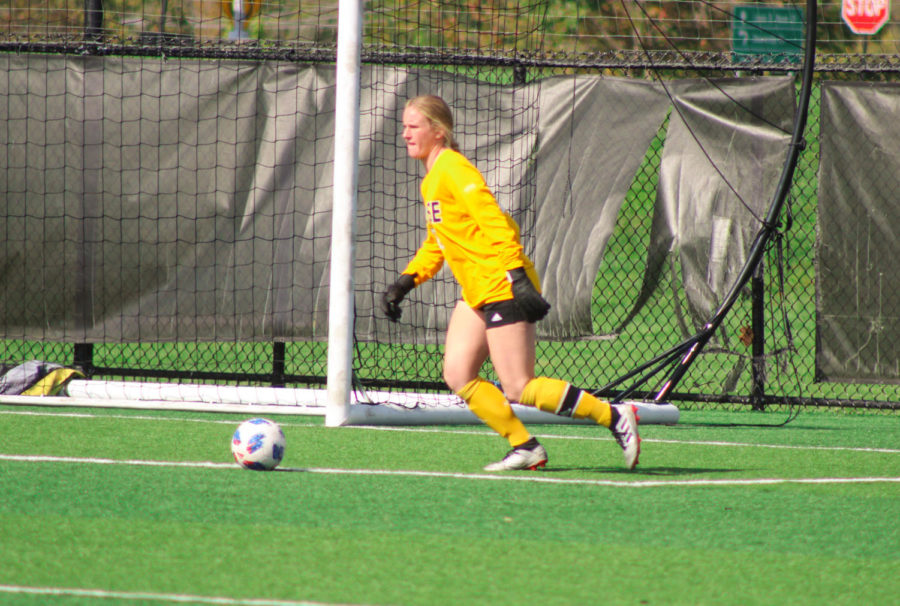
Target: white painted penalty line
pixel 160 597
pixel 648 440
pixel 536 477
pixel 476 432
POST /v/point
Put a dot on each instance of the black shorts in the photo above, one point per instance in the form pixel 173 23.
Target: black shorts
pixel 501 313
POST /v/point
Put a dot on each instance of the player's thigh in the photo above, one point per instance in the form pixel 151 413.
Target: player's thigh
pixel 465 349
pixel 511 349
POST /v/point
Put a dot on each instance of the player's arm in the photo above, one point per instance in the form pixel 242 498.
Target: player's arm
pixel 427 261
pixel 424 265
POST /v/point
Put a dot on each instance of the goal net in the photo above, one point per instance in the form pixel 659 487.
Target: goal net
pixel 169 189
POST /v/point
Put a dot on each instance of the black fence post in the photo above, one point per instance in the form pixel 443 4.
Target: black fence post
pixel 758 364
pixel 520 75
pixel 83 357
pixel 93 19
pixel 278 363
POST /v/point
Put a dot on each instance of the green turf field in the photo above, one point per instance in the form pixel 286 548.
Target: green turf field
pixel 125 507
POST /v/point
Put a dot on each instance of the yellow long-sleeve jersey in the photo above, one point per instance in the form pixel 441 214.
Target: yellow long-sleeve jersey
pixel 468 230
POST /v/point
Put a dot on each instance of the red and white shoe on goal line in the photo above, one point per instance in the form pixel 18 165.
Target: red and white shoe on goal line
pixel 625 431
pixel 529 455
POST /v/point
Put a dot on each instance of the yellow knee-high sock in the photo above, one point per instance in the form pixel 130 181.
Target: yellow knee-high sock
pixel 561 398
pixel 490 405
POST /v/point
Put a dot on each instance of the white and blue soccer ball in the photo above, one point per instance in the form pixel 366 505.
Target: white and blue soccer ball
pixel 258 444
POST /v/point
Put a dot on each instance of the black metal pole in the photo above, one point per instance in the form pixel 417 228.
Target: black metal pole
pixel 162 17
pixel 93 19
pixel 278 363
pixel 758 326
pixel 83 357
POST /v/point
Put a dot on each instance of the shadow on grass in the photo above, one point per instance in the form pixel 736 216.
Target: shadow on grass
pixel 646 471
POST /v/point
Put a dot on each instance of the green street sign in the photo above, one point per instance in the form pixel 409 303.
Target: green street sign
pixel 767 30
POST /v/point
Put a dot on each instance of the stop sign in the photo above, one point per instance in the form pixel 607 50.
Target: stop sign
pixel 865 16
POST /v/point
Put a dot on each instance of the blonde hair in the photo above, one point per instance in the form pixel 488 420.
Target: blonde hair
pixel 438 113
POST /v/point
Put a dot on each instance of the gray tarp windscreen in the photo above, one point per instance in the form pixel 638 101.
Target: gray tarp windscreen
pixel 150 200
pixel 724 153
pixel 163 200
pixel 594 135
pixel 858 282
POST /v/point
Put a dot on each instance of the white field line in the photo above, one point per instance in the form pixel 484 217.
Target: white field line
pixel 484 432
pixel 159 597
pixel 538 478
pixel 653 440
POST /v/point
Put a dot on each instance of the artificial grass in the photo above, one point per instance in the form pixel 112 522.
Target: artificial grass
pixel 408 539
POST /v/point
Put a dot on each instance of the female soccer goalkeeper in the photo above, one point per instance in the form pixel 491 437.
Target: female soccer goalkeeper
pixel 501 297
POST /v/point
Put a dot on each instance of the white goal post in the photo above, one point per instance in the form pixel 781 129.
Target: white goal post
pixel 343 236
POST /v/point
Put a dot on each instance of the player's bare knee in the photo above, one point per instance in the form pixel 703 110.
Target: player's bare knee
pixel 513 390
pixel 456 380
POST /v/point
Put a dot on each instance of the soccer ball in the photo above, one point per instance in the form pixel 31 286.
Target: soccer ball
pixel 258 444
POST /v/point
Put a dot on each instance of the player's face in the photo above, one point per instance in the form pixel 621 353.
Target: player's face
pixel 423 140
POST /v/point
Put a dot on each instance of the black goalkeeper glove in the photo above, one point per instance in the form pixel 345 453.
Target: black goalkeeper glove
pixel 526 296
pixel 390 300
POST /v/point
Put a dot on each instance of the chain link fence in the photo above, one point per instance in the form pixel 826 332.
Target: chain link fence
pixel 764 356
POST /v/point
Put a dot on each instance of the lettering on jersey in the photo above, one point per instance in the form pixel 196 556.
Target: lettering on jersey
pixel 433 211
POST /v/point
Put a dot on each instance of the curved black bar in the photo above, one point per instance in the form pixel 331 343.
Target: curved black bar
pixel 699 340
